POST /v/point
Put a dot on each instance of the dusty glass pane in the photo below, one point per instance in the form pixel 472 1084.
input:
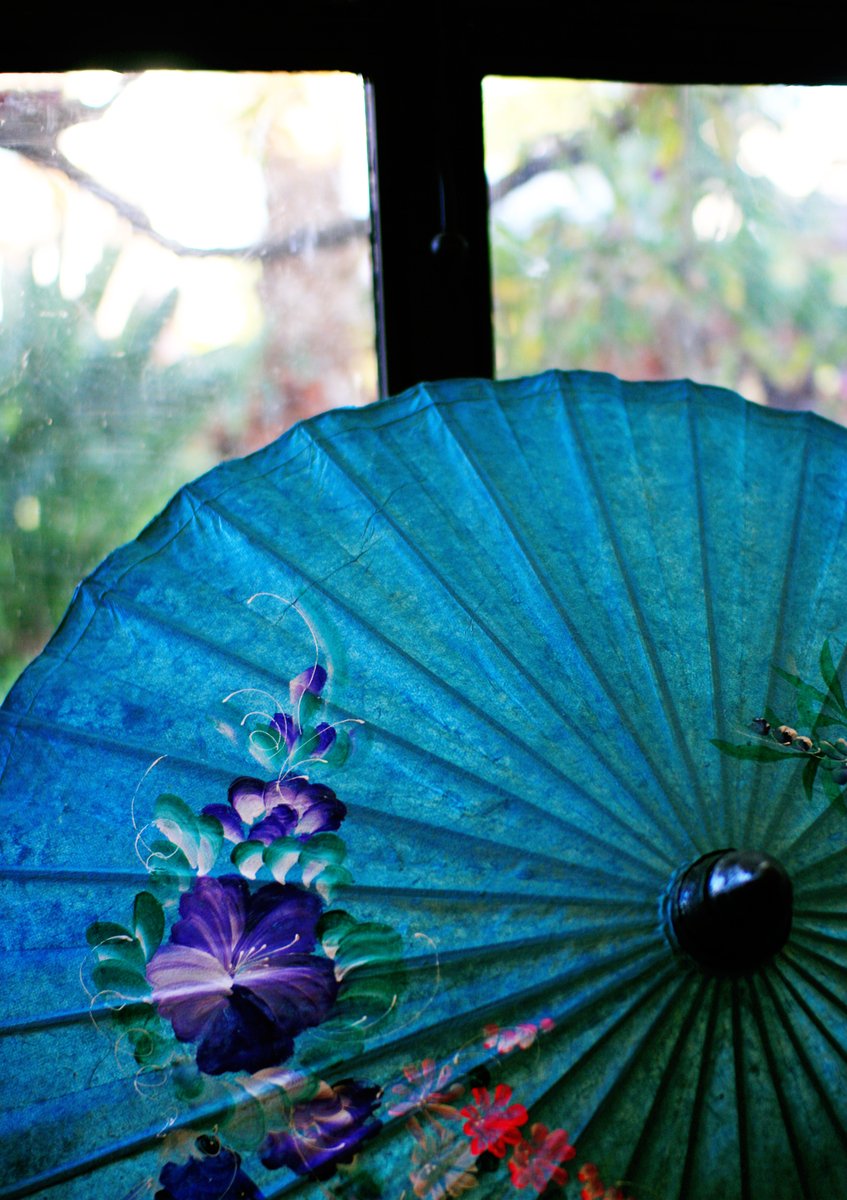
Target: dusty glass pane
pixel 657 231
pixel 185 270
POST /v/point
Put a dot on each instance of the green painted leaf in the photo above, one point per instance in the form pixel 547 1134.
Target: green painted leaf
pixel 210 840
pixel 248 858
pixel 120 982
pixel 830 750
pixel 105 931
pixel 188 1081
pixel 337 754
pixel 153 1047
pixel 809 772
pixel 811 705
pixel 281 856
pixel 309 709
pixel 830 676
pixel 367 944
pixel 171 808
pixel 831 789
pixel 323 847
pixel 333 927
pixel 327 880
pixel 170 871
pixel 137 1016
pixel 753 752
pixel 826 718
pixel 148 919
pixel 243 1118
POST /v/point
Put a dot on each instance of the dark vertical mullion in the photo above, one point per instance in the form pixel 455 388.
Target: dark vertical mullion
pixel 430 209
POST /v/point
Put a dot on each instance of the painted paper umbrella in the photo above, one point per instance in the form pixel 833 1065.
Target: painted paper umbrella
pixel 448 798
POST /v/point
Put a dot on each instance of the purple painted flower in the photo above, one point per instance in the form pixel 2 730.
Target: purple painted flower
pixel 216 1175
pixel 238 975
pixel 309 743
pixel 289 807
pixel 324 1131
pixel 313 680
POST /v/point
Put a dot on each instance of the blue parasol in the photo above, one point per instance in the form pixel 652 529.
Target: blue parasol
pixel 387 820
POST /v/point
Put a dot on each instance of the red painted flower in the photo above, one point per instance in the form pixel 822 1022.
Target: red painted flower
pixel 492 1124
pixel 535 1163
pixel 595 1188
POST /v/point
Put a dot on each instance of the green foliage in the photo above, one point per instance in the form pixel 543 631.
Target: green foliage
pixel 629 285
pixel 93 436
pixel 754 751
pixel 824 759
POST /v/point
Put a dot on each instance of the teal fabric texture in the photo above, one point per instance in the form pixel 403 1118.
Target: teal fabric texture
pixel 341 814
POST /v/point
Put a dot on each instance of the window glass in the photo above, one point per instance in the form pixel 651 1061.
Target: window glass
pixel 185 270
pixel 658 232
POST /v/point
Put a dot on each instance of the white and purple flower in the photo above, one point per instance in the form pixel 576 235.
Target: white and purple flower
pixel 239 976
pixel 288 807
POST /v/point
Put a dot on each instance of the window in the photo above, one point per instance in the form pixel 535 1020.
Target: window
pixel 662 231
pixel 424 83
pixel 184 272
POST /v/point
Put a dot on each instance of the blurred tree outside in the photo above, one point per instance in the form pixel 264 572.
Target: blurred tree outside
pixel 183 274
pixel 658 232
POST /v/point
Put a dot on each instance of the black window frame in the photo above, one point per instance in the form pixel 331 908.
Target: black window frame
pixel 423 66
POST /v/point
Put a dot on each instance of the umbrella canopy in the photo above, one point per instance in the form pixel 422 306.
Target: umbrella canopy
pixel 386 820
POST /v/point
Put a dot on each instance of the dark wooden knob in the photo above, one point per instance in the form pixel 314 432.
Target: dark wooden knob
pixel 731 910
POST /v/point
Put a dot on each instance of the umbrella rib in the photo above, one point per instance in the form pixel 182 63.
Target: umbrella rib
pixel 95 738
pixel 800 1051
pixel 503 648
pixel 529 996
pixel 817 935
pixel 821 914
pixel 740 1093
pixel 143 753
pixel 418 963
pixel 787 796
pixel 698 1103
pixel 708 600
pixel 76 1016
pixel 365 891
pixel 659 982
pixel 815 983
pixel 674 1054
pixel 131 605
pixel 782 1099
pixel 550 591
pixel 462 700
pixel 835 891
pixel 837 858
pixel 649 643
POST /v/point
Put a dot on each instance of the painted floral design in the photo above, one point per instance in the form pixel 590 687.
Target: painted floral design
pixel 538 1161
pixel 215 1175
pixel 442 1165
pixel 521 1036
pixel 239 976
pixel 288 807
pixel 595 1189
pixel 325 1130
pixel 427 1087
pixel 492 1123
pixel 290 729
pixel 822 712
